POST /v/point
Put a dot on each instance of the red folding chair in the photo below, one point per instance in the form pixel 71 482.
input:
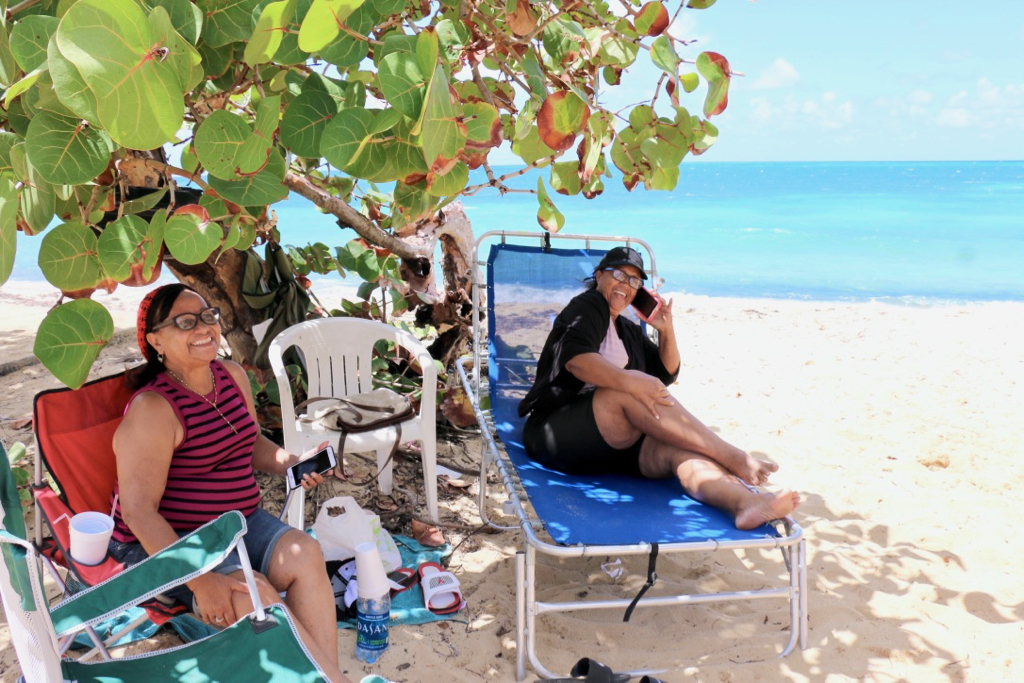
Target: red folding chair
pixel 74 431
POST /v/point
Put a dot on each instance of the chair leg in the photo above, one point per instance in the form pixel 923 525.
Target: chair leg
pixel 296 509
pixel 429 460
pixel 385 478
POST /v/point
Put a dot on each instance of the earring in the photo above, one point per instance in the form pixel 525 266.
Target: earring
pixel 160 357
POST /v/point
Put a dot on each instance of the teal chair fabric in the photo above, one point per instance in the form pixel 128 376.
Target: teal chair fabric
pixel 252 649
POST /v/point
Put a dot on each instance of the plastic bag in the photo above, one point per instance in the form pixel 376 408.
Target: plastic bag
pixel 339 535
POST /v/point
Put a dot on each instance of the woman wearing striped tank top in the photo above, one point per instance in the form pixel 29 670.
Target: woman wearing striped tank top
pixel 186 452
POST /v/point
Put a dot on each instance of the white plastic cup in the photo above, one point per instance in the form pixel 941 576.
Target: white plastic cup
pixel 371 579
pixel 90 536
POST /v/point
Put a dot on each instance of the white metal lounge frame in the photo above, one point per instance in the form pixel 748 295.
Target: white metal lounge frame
pixel 528 607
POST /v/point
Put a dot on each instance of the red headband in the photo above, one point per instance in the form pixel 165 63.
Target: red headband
pixel 141 327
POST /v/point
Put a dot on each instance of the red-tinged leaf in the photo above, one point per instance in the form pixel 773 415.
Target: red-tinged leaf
pixel 199 212
pixel 652 19
pixel 523 20
pixel 715 69
pixel 561 117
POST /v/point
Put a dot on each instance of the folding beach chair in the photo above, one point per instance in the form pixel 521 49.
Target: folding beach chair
pixel 75 471
pixel 528 282
pixel 261 646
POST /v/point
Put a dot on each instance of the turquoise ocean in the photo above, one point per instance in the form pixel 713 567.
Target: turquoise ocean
pixel 902 232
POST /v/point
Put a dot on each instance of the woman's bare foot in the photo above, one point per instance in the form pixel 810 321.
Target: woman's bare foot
pixel 752 470
pixel 765 507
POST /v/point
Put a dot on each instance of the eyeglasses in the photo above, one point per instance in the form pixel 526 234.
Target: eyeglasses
pixel 187 321
pixel 633 281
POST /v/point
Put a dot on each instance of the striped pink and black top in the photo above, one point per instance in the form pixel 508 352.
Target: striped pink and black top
pixel 211 470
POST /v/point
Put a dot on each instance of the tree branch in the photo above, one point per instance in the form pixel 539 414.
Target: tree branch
pixel 349 217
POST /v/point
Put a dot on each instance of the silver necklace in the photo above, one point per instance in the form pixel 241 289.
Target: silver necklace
pixel 213 403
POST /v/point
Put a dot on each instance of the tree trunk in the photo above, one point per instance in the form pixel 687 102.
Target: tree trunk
pixel 451 311
pixel 220 283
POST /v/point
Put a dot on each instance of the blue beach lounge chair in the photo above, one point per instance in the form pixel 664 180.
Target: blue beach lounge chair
pixel 262 646
pixel 528 281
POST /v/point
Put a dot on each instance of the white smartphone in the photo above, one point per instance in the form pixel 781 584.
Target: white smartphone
pixel 319 462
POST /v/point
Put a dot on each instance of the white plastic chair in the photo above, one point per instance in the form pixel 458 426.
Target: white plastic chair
pixel 337 353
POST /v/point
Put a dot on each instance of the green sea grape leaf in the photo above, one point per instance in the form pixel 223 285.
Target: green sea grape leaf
pixel 191 236
pixel 180 54
pixel 8 64
pixel 345 136
pixel 269 32
pixel 443 131
pixel 689 81
pixel 427 49
pixel 22 86
pixel 69 257
pixel 483 125
pixel 305 120
pixel 531 148
pixel 255 150
pixel 186 17
pixel 403 83
pixel 70 338
pixel 155 239
pixel 69 85
pixel 548 215
pixel 663 178
pixel 452 182
pixel 652 19
pixel 7 140
pixel 218 142
pixel 264 188
pixel 123 248
pixel 405 154
pixel 565 177
pixel 615 49
pixel 561 117
pixel 347 50
pixel 38 199
pixel 8 227
pixel 323 22
pixel 288 52
pixel 373 159
pixel 227 21
pixel 700 4
pixel 664 56
pixel 113 46
pixel 715 70
pixel 29 38
pixel 66 151
pixel 216 60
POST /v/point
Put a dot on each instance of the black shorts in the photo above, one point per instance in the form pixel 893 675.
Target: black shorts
pixel 568 440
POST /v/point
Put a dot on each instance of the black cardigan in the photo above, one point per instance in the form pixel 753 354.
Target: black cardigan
pixel 580 328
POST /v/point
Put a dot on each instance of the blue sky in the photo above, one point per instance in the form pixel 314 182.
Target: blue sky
pixel 868 80
pixel 832 81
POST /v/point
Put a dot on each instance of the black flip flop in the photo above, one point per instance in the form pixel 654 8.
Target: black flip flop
pixel 592 671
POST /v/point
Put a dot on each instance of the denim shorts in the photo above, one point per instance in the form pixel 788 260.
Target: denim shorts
pixel 262 532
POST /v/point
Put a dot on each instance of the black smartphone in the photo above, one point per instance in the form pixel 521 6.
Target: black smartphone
pixel 320 462
pixel 646 303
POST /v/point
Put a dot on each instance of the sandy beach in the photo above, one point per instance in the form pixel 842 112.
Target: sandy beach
pixel 899 425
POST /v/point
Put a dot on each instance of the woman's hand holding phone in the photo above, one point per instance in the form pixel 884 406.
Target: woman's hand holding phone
pixel 311 479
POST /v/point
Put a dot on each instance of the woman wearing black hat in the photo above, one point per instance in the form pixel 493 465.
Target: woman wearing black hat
pixel 600 403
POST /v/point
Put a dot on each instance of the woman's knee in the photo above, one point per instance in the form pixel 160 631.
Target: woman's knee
pixel 296 554
pixel 266 591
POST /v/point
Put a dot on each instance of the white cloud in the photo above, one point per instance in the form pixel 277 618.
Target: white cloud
pixel 779 74
pixel 955 117
pixel 826 112
pixel 920 97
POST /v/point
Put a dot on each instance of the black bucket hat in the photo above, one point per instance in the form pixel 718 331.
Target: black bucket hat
pixel 623 256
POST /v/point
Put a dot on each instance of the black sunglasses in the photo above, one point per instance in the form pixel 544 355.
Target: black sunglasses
pixel 187 321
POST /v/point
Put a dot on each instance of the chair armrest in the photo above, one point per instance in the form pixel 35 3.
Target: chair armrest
pixel 182 561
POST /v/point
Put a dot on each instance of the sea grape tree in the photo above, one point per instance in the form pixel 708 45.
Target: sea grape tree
pixel 111 107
